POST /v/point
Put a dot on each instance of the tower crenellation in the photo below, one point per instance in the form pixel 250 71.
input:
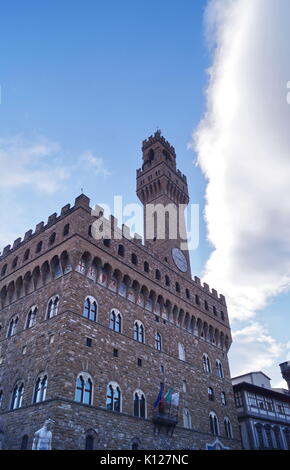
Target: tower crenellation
pixel 155 139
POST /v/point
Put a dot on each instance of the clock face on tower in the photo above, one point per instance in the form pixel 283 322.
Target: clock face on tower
pixel 179 259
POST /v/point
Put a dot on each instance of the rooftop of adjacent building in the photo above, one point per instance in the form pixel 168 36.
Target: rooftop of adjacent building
pixel 256 378
pixel 259 381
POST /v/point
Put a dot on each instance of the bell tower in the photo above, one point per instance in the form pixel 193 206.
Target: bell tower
pixel 163 191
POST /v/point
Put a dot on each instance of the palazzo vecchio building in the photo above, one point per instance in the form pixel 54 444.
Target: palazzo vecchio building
pixel 111 338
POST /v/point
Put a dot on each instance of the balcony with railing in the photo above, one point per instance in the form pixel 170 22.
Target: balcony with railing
pixel 165 415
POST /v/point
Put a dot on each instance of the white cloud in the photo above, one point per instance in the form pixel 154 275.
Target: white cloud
pixel 243 148
pixel 254 349
pixel 35 163
pixel 31 163
pixel 95 163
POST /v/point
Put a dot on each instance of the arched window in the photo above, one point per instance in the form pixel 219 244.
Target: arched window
pixel 206 363
pixel 38 247
pixel 146 267
pixel 3 271
pixel 228 428
pixel 52 238
pixel 40 389
pixel 223 398
pixel 210 394
pixel 186 419
pixel 151 155
pixel 84 389
pixel 167 281
pixel 134 259
pixel 177 287
pixel 115 321
pixel 187 292
pixel 17 396
pixel 121 250
pixel 219 369
pixel 277 435
pixel 24 442
pixel 1 397
pixel 197 301
pixel 12 328
pixel 89 442
pixel 14 263
pixel 139 404
pixel 181 352
pixel 113 401
pixel 65 230
pixel 184 386
pixel 158 342
pixel 31 317
pixel 26 255
pixel 139 332
pixel 157 275
pixel 90 309
pixel 214 426
pixel 166 155
pixel 52 307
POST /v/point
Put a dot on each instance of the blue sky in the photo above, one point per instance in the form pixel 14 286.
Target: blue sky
pixel 83 83
pixel 100 77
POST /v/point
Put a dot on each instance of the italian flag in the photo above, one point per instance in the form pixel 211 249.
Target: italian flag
pixel 168 396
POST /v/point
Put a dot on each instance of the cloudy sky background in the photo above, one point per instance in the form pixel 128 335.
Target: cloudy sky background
pixel 243 145
pixel 83 83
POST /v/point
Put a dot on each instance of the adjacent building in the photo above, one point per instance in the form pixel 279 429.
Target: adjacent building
pixel 92 330
pixel 263 411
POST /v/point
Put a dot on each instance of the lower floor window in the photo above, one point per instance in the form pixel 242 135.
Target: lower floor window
pixel 84 390
pixel 214 427
pixel 139 405
pixel 40 389
pixel 17 396
pixel 113 401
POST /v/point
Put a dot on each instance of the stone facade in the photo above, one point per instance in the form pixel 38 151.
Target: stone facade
pixel 62 260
